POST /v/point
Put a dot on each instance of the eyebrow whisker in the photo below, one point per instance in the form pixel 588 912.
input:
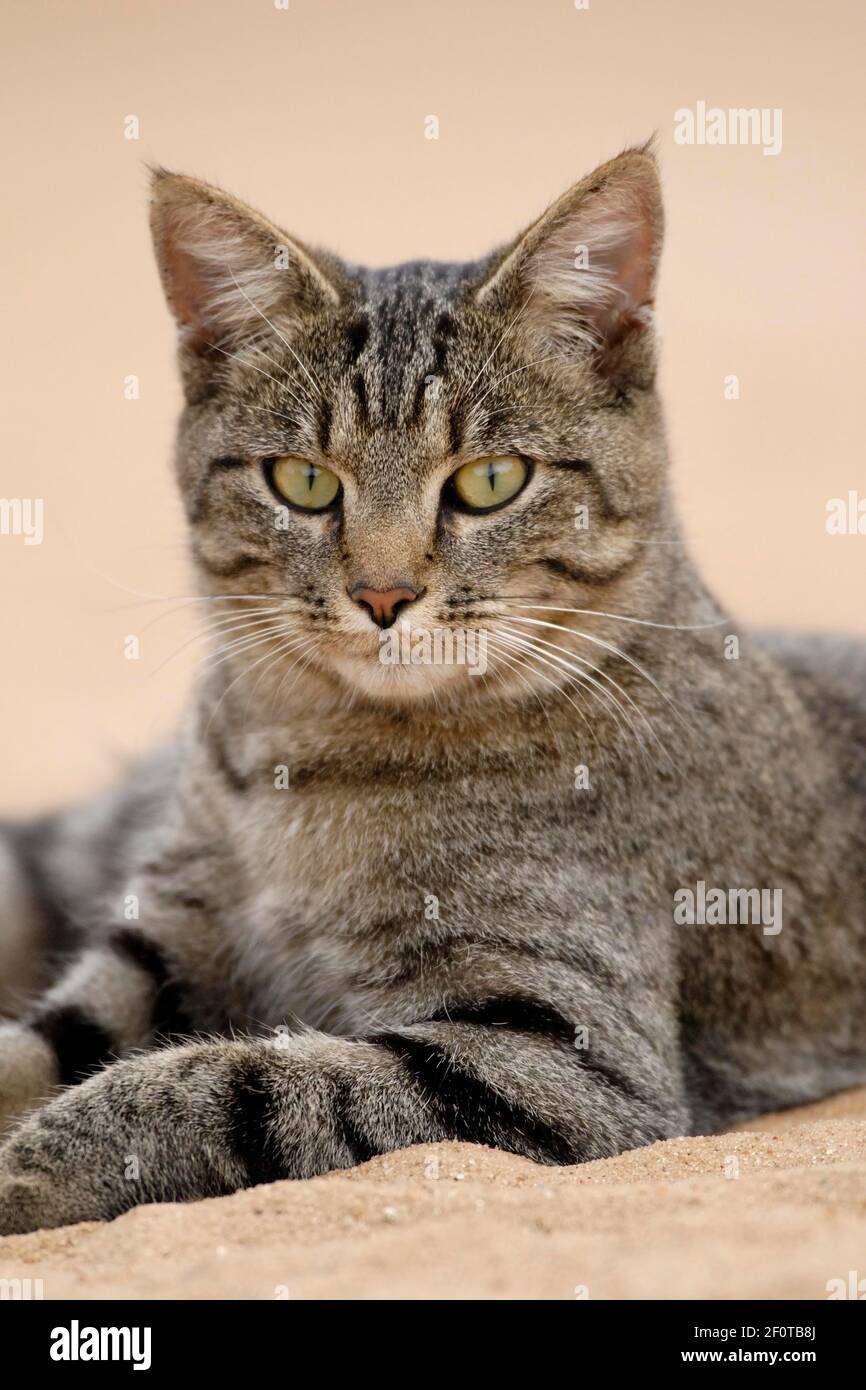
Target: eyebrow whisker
pixel 236 357
pixel 508 329
pixel 276 331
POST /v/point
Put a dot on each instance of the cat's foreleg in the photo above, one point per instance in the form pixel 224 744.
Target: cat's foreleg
pixel 207 1118
pixel 111 999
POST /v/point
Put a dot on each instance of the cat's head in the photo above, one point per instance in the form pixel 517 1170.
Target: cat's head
pixel 430 448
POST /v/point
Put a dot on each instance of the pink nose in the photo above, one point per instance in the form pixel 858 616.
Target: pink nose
pixel 383 604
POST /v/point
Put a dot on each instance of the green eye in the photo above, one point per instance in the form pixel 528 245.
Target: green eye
pixel 488 483
pixel 304 484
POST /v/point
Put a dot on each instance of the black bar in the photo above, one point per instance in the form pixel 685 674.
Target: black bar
pixel 255 1339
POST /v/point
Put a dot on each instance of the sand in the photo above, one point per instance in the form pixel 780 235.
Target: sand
pixel 774 1210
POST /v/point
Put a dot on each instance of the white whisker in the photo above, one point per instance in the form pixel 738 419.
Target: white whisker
pixel 620 714
pixel 608 646
pixel 236 357
pixel 506 375
pixel 247 670
pixel 244 643
pixel 170 612
pixel 269 410
pixel 620 617
pixel 219 628
pixel 276 331
pixel 300 643
pixel 585 665
pixel 307 654
pixel 508 654
pixel 496 346
pixel 573 678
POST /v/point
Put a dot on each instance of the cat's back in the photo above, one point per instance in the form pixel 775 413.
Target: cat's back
pixel 828 670
pixel 828 673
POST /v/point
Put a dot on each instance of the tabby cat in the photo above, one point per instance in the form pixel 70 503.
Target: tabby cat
pixel 360 905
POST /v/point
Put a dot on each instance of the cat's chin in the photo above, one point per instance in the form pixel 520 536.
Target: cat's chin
pixel 399 684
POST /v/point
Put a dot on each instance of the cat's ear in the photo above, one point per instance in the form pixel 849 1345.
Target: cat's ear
pixel 582 278
pixel 226 269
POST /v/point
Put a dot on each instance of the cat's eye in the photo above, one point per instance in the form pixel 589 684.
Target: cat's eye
pixel 303 484
pixel 488 483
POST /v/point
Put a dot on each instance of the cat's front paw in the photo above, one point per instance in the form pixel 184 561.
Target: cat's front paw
pixel 151 1129
pixel 28 1203
pixel 60 1165
pixel 46 1179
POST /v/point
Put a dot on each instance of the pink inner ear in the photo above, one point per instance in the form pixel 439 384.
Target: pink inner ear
pixel 633 277
pixel 598 302
pixel 222 277
pixel 188 294
pixel 219 280
pixel 185 236
pixel 621 245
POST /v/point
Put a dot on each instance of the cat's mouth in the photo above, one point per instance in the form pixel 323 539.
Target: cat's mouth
pixel 406 663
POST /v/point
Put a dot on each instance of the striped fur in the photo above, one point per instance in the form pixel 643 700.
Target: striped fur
pixel 352 909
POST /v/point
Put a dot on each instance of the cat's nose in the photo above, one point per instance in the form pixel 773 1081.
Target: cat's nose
pixel 383 604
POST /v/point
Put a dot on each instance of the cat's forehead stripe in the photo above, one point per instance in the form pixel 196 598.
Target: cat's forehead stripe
pixel 400 339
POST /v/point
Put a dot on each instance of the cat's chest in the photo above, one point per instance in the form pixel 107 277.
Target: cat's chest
pixel 349 877
pixel 337 847
pixel 334 888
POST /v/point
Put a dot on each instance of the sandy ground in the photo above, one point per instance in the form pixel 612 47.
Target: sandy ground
pixel 774 1210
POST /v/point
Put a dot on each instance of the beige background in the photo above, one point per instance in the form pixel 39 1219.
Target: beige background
pixel 317 115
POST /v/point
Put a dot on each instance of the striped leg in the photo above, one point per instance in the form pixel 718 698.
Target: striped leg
pixel 113 997
pixel 209 1118
pixel 22 931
